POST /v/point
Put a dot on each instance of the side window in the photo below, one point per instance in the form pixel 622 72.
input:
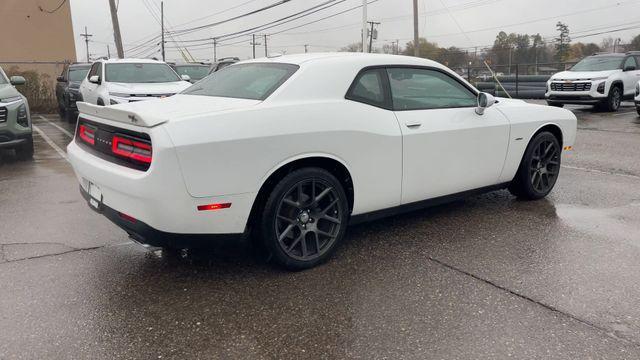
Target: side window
pixel 94 70
pixel 415 89
pixel 368 88
pixel 630 62
pixel 99 71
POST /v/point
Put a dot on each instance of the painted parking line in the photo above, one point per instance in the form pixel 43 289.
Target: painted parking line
pixel 64 131
pixel 48 140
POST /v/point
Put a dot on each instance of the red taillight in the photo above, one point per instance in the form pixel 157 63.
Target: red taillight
pixel 213 207
pixel 132 149
pixel 87 134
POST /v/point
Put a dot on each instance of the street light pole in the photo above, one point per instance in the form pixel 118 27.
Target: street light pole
pixel 116 28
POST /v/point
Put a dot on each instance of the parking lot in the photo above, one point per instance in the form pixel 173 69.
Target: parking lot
pixel 488 277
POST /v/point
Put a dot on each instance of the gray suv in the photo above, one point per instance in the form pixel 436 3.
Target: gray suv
pixel 15 120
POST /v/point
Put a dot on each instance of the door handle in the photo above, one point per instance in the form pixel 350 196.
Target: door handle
pixel 413 124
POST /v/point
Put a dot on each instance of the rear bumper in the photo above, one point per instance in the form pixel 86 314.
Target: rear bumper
pixel 158 197
pixel 145 234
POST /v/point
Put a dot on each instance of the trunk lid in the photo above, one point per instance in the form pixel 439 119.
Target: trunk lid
pixel 158 111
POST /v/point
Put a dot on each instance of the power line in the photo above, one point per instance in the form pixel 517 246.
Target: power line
pixel 197 28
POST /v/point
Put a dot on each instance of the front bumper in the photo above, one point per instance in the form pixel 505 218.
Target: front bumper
pixel 13 134
pixel 574 99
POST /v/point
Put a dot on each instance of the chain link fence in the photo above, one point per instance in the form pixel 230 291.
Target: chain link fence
pixel 40 83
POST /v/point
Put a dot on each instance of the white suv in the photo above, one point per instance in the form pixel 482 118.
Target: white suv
pixel 603 80
pixel 116 81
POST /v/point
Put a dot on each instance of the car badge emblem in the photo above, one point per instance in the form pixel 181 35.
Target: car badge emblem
pixel 133 119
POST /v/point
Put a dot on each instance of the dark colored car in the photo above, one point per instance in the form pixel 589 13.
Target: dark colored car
pixel 223 63
pixel 67 90
pixel 195 71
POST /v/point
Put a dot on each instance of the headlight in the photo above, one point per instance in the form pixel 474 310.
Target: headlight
pixel 11 99
pixel 601 87
pixel 113 102
pixel 637 89
pixel 121 95
pixel 23 117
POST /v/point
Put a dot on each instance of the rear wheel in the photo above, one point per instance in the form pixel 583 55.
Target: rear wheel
pixel 25 150
pixel 539 169
pixel 304 218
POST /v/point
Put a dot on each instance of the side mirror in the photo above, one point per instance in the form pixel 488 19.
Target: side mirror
pixel 17 80
pixel 61 79
pixel 485 101
pixel 185 77
pixel 95 79
pixel 630 68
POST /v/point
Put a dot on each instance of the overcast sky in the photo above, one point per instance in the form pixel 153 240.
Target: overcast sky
pixel 462 23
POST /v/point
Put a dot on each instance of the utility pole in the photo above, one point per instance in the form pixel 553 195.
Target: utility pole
pixel 253 43
pixel 108 52
pixel 373 24
pixel 215 49
pixel 266 51
pixel 416 34
pixel 86 37
pixel 364 25
pixel 116 28
pixel 162 27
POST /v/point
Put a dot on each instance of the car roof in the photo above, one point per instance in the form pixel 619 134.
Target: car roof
pixel 609 55
pixel 348 58
pixel 131 61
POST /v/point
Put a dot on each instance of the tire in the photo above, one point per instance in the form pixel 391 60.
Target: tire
pixel 61 112
pixel 555 104
pixel 25 151
pixel 539 168
pixel 71 116
pixel 304 218
pixel 638 110
pixel 612 104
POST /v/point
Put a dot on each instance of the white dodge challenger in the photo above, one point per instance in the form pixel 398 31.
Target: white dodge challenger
pixel 294 148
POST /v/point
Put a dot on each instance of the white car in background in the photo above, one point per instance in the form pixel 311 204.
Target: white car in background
pixel 297 147
pixel 603 80
pixel 118 81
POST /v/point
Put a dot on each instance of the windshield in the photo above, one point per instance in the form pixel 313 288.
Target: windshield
pixel 140 73
pixel 3 79
pixel 77 74
pixel 598 63
pixel 245 81
pixel 195 72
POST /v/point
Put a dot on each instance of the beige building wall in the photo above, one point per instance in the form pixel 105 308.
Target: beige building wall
pixel 28 32
pixel 36 38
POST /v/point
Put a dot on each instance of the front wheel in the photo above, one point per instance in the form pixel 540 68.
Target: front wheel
pixel 25 150
pixel 612 103
pixel 539 169
pixel 304 218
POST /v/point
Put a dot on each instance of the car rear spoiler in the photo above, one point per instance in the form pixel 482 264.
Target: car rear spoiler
pixel 119 115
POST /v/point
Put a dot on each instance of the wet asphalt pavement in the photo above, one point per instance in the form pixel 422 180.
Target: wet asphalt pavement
pixel 485 278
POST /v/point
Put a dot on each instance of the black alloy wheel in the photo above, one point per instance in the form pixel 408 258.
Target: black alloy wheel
pixel 305 218
pixel 539 169
pixel 544 166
